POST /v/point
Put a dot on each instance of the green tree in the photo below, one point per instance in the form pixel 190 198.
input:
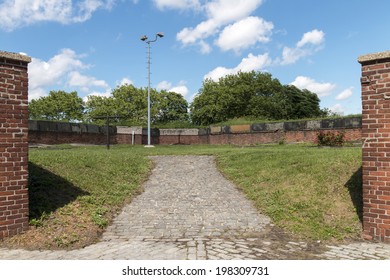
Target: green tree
pixel 303 103
pixel 99 106
pixel 130 105
pixel 207 106
pixel 127 102
pixel 57 106
pixel 171 107
pixel 251 94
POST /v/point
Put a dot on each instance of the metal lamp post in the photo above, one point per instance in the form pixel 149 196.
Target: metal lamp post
pixel 145 39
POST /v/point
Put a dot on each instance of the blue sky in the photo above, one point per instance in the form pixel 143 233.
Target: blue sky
pixel 92 46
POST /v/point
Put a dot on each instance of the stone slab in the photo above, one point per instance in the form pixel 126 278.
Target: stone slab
pixel 154 132
pixel 129 130
pixel 332 123
pixel 75 127
pixel 15 56
pixel 313 125
pixel 33 125
pixel 225 129
pixel 275 126
pixel 374 56
pixel 190 132
pixel 64 127
pixel 245 128
pixel 259 127
pixel 47 126
pixel 355 122
pixel 204 131
pixel 294 126
pixel 215 129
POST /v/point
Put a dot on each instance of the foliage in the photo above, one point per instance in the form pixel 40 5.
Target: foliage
pixel 330 138
pixel 57 106
pixel 252 94
pixel 127 102
pixel 130 105
pixel 172 107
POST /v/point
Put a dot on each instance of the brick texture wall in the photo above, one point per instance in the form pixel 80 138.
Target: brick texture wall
pixel 45 132
pixel 13 144
pixel 375 82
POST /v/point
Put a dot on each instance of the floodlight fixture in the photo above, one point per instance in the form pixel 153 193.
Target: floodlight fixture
pixel 144 38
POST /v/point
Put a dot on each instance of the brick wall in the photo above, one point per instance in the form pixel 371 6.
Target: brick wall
pixel 13 144
pixel 46 132
pixel 43 132
pixel 375 82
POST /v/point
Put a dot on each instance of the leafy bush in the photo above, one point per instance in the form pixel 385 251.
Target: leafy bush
pixel 330 139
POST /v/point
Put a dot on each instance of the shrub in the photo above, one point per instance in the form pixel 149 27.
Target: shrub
pixel 330 139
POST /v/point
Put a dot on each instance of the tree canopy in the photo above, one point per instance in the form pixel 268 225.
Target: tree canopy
pixel 245 94
pixel 130 104
pixel 127 102
pixel 57 106
pixel 252 94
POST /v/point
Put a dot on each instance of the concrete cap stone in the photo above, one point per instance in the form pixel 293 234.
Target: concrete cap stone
pixel 374 56
pixel 15 56
pixel 187 132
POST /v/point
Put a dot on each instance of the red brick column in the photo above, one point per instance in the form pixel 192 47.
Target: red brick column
pixel 375 82
pixel 13 143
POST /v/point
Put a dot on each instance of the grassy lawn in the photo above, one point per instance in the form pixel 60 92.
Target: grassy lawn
pixel 313 193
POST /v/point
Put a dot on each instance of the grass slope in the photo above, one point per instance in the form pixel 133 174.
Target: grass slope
pixel 311 192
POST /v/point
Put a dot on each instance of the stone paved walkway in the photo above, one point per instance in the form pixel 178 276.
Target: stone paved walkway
pixel 190 211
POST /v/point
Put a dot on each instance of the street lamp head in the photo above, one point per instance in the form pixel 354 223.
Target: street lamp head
pixel 144 38
pixel 160 34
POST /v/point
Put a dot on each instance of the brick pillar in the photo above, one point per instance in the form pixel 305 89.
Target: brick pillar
pixel 13 144
pixel 375 82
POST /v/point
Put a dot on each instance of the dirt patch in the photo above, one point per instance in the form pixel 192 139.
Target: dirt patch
pixel 55 237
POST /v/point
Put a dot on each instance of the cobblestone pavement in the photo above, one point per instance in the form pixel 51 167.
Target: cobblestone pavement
pixel 190 211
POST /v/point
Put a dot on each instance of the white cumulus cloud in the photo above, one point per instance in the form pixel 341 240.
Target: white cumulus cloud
pixel 310 43
pixel 85 82
pixel 337 109
pixel 292 55
pixel 247 64
pixel 177 4
pixel 314 37
pixel 104 94
pixel 205 48
pixel 60 70
pixel 227 11
pixel 51 72
pixel 191 35
pixel 244 33
pixel 18 13
pixel 345 94
pixel 180 88
pixel 321 89
pixel 164 85
pixel 125 81
pixel 219 14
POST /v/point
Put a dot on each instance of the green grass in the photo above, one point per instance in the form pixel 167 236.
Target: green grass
pixel 311 192
pixel 99 180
